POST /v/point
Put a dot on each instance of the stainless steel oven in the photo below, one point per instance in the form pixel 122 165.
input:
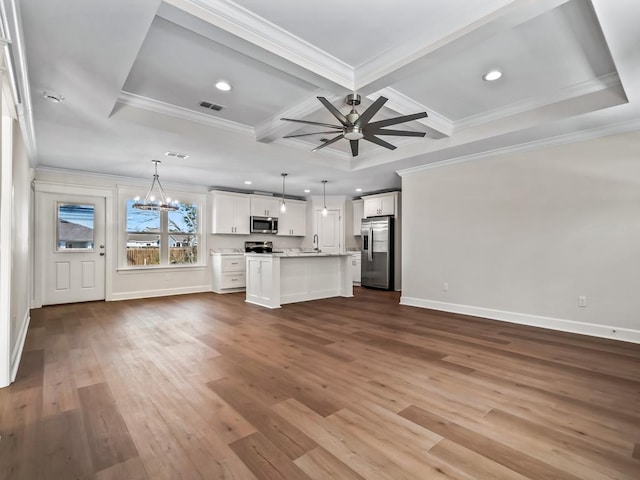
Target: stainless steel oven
pixel 264 225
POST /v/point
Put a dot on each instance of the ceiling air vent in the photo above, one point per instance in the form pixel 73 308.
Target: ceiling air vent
pixel 211 106
pixel 181 156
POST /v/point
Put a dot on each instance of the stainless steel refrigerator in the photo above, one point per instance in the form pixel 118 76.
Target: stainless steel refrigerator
pixel 377 252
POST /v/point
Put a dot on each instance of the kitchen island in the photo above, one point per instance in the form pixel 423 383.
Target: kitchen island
pixel 274 279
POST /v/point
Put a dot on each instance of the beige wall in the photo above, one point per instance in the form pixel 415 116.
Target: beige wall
pixel 521 236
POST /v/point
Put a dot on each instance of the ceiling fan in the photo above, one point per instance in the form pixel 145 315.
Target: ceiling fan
pixel 355 126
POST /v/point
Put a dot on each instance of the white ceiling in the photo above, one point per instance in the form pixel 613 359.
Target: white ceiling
pixel 133 73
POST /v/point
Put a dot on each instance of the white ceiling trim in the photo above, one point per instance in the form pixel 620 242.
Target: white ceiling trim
pixel 274 128
pixel 17 72
pixel 405 105
pixel 241 22
pixel 326 152
pixel 157 106
pixel 573 137
pixel 399 62
pixel 604 82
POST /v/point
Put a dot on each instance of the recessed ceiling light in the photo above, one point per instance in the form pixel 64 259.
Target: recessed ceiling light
pixel 247 182
pixel 306 190
pixel 224 86
pixel 358 189
pixel 53 97
pixel 492 75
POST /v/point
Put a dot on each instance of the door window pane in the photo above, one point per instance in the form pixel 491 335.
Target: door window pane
pixel 142 220
pixel 143 250
pixel 75 223
pixel 183 249
pixel 185 219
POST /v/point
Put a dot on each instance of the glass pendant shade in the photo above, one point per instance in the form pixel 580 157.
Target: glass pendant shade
pixel 324 198
pixel 283 207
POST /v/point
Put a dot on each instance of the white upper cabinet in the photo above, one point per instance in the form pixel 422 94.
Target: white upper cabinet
pixel 230 213
pixel 358 215
pixel 383 204
pixel 293 223
pixel 262 206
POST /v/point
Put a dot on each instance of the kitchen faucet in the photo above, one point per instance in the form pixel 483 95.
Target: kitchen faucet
pixel 315 241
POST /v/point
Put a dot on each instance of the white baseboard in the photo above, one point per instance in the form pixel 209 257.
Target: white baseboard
pixel 16 354
pixel 164 292
pixel 571 326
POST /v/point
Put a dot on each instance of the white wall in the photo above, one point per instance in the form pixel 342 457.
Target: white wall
pixel 519 237
pixel 130 283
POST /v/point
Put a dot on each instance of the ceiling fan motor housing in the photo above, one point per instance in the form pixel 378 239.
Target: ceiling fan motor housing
pixel 353 99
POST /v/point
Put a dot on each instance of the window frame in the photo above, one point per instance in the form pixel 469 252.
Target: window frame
pixel 126 194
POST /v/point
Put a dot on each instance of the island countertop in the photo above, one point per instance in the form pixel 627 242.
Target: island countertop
pixel 277 278
pixel 300 254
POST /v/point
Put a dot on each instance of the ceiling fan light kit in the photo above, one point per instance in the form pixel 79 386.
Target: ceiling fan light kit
pixel 355 126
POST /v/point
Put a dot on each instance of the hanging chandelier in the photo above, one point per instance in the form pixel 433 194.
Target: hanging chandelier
pixel 158 201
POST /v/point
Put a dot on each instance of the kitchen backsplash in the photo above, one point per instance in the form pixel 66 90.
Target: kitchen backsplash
pixel 224 242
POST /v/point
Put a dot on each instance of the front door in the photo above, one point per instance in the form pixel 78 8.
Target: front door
pixel 73 248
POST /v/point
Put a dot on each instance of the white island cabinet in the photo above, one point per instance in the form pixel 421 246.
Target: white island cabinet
pixel 275 279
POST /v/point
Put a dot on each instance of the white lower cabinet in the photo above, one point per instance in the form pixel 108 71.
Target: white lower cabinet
pixel 356 263
pixel 228 273
pixel 262 288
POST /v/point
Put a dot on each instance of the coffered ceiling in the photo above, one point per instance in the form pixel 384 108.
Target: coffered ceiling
pixel 133 74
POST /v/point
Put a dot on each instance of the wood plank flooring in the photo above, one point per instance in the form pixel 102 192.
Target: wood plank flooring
pixel 208 387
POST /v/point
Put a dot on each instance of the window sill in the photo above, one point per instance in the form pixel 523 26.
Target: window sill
pixel 160 268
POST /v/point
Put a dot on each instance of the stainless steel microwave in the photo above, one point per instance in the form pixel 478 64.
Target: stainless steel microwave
pixel 264 225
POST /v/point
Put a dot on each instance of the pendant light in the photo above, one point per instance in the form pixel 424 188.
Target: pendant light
pixel 151 202
pixel 324 197
pixel 283 207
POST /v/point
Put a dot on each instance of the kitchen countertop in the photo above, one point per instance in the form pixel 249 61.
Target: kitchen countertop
pixel 301 254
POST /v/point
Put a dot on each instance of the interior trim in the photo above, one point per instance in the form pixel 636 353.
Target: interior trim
pixel 160 292
pixel 571 326
pixel 16 355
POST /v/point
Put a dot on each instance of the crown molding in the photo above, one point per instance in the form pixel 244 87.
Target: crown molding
pixel 274 128
pixel 604 82
pixel 243 23
pixel 404 105
pixel 146 103
pixel 17 72
pixel 573 137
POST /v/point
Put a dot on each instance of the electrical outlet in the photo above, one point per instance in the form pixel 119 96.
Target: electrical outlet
pixel 582 301
pixel 445 286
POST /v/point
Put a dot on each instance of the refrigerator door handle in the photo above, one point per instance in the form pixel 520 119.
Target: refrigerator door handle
pixel 370 235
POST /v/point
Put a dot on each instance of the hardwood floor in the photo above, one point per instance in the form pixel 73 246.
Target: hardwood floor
pixel 207 387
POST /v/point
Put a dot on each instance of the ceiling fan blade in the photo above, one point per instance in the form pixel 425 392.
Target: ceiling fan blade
pixel 396 120
pixel 329 142
pixel 399 133
pixel 371 111
pixel 379 141
pixel 354 147
pixel 335 112
pixel 312 123
pixel 306 134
